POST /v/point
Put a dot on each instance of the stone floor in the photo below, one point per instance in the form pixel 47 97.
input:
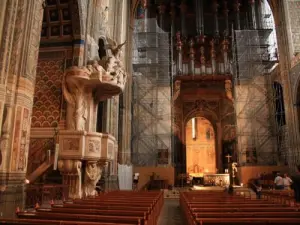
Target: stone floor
pixel 171 213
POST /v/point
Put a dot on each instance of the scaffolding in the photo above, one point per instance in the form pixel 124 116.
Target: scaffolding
pixel 151 102
pixel 259 107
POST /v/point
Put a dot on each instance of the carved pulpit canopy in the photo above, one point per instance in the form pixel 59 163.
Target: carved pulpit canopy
pixel 106 77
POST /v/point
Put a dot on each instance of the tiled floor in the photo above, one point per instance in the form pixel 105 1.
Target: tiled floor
pixel 171 213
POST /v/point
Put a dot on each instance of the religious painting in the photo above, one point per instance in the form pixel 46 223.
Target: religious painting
pixel 200 148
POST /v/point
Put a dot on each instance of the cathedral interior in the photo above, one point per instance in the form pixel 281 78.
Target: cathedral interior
pixel 93 92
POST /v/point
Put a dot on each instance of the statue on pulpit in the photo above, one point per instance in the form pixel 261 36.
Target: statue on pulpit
pixel 92 175
pixel 76 106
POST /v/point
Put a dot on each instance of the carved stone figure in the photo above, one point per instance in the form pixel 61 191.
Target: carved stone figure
pixel 71 172
pixel 228 89
pixel 92 175
pixel 76 106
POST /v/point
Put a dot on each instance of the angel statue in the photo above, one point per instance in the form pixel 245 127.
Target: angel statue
pixel 114 61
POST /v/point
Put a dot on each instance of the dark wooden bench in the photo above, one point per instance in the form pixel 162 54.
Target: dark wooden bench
pixel 51 222
pixel 82 217
pixel 109 208
pixel 219 208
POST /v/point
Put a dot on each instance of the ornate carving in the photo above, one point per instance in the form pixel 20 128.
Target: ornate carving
pixel 71 172
pixel 228 89
pixel 71 144
pixel 94 146
pixel 76 105
pixel 93 172
pixel 24 142
pixel 83 87
pixel 177 85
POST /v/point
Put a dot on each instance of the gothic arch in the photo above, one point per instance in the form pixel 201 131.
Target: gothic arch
pixel 209 115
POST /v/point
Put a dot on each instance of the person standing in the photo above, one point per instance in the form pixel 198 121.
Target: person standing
pixel 296 184
pixel 257 186
pixel 287 182
pixel 278 182
pixel 136 181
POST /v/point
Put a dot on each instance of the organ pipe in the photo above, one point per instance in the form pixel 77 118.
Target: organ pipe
pixel 215 7
pixel 237 14
pixel 199 17
pixel 252 14
pixel 226 11
pixel 183 10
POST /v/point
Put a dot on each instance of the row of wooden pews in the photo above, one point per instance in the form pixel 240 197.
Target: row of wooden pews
pixel 218 207
pixel 280 196
pixel 117 207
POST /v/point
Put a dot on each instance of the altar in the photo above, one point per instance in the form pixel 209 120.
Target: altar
pixel 221 179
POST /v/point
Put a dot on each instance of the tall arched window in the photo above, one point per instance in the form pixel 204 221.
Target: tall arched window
pixel 279 104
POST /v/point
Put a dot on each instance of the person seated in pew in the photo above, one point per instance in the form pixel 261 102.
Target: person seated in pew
pixel 287 182
pixel 278 182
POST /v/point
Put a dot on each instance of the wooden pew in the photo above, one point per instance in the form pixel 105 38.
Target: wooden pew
pixel 110 208
pixel 219 208
pixel 82 217
pixel 51 222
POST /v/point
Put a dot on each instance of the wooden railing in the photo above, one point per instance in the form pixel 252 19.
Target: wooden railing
pixel 41 193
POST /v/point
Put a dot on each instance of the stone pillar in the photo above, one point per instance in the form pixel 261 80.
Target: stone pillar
pixel 18 60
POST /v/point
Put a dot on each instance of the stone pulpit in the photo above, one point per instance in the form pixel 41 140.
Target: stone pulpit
pixel 83 152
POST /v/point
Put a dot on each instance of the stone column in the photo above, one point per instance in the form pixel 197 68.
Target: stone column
pixel 18 60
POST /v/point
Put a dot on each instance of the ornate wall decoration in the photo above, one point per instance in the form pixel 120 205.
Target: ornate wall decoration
pixel 48 93
pixel 35 35
pixel 94 146
pixel 71 144
pixel 16 142
pixel 110 150
pixel 201 105
pixel 24 144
